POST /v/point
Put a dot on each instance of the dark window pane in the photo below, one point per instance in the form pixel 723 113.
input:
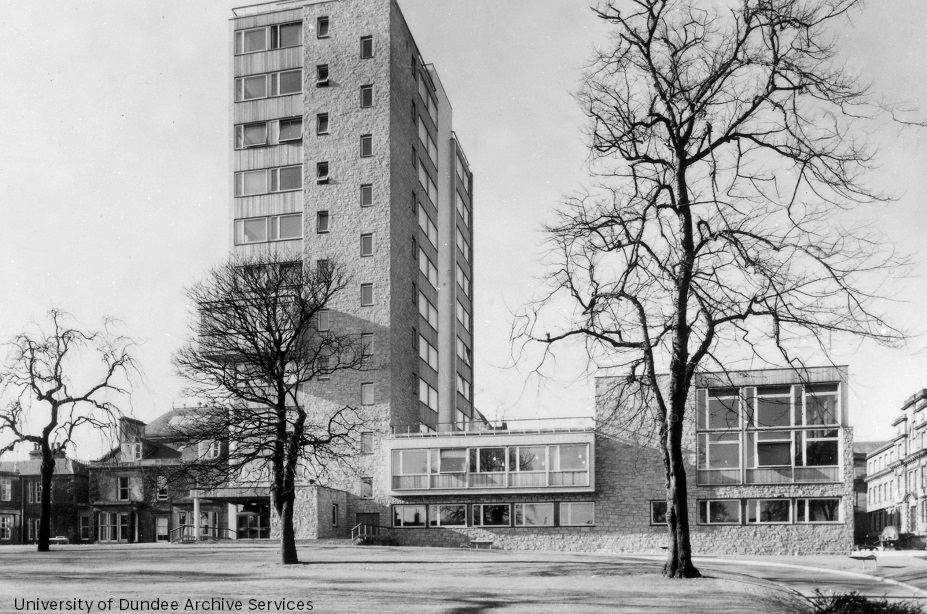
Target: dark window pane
pixel 822 453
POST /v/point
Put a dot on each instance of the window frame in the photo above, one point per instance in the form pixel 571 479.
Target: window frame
pixel 477 518
pixel 368 300
pixel 434 515
pixel 319 21
pixel 367 394
pixel 366 190
pixel 366 488
pixel 368 252
pixel 6 489
pixel 123 491
pixel 322 222
pixel 568 505
pixel 654 512
pixel 321 124
pixel 398 524
pixel 322 172
pixel 322 75
pixel 520 507
pixel 366 442
pixel 757 502
pixel 366 96
pixel 706 519
pixel 366 47
pixel 797 511
pixel 161 492
pixel 366 146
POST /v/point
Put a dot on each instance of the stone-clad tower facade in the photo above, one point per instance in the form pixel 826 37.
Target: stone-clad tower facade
pixel 343 151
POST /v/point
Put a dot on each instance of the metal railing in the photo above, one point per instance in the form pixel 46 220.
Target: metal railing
pixel 497 479
pixel 364 531
pixel 189 532
pixel 507 427
pixel 769 475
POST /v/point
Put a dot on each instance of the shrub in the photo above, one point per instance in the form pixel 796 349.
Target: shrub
pixel 854 603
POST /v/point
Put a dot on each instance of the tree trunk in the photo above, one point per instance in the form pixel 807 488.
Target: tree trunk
pixel 679 554
pixel 287 535
pixel 48 469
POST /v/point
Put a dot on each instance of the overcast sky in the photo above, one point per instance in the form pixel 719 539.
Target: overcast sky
pixel 114 174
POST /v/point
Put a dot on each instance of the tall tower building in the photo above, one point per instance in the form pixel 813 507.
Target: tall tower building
pixel 343 151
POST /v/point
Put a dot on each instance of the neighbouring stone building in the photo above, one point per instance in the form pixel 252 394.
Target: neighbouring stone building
pixel 21 482
pixel 896 475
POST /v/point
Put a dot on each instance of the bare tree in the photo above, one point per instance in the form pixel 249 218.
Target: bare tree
pixel 260 335
pixel 727 143
pixel 57 382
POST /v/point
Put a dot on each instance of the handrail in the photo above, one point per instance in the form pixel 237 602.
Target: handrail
pixel 360 530
pixel 194 532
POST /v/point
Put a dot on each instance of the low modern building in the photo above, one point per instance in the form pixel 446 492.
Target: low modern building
pixel 770 466
pixel 897 473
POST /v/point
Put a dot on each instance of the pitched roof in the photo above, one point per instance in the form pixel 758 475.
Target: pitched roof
pixel 33 466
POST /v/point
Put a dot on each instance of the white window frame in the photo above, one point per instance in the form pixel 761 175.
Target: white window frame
pixel 167 529
pixel 367 300
pixel 804 502
pixel 366 190
pixel 427 395
pixel 322 222
pixel 366 442
pixel 323 26
pixel 366 90
pixel 653 521
pixel 367 393
pixel 366 146
pixel 366 253
pixel 271 38
pixel 322 172
pixel 123 493
pixel 519 509
pixel 272 88
pixel 6 527
pixel 397 518
pixel 272 225
pixel 322 75
pixel 161 487
pixel 6 489
pixel 478 515
pixel 708 502
pixel 428 227
pixel 427 310
pixel 757 503
pixel 321 123
pixel 434 515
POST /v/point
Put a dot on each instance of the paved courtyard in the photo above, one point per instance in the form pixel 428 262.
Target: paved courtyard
pixel 342 578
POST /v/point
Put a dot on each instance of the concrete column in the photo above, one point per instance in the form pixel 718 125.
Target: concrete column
pixel 232 511
pixel 196 518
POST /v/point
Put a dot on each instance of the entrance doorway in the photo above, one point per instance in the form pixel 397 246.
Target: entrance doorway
pixel 371 520
pixel 254 521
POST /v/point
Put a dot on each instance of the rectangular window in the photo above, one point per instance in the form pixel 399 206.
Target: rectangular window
pixel 321 27
pixel 534 514
pixel 84 528
pixel 280 179
pixel 657 512
pixel 773 448
pixel 462 210
pixel 366 195
pixel 575 514
pixel 463 281
pixel 273 228
pixel 366 488
pixel 448 515
pixel 723 409
pixel 719 450
pixel 6 528
pixel 463 175
pixel 719 511
pixel 366 145
pixel 424 91
pixel 269 85
pixel 366 47
pixel 367 344
pixel 428 353
pixel 492 515
pixel 324 320
pixel 321 225
pixel 366 96
pixel 773 406
pixel 366 293
pixel 290 129
pixel 463 246
pixel 162 533
pixel 822 404
pixel 428 227
pixel 123 488
pixel 427 395
pixel 463 352
pixel 335 514
pixel 322 268
pixel 321 123
pixel 162 488
pixel 277 36
pixel 427 183
pixel 427 310
pixel 366 443
pixel 408 515
pixel 32 532
pixel 463 316
pixel 427 268
pixel 366 244
pixel 321 172
pixel 428 143
pixel 213 450
pixel 367 394
pixel 250 135
pixel 321 75
pixel 817 510
pixel 463 387
pixel 6 489
pixel 769 511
